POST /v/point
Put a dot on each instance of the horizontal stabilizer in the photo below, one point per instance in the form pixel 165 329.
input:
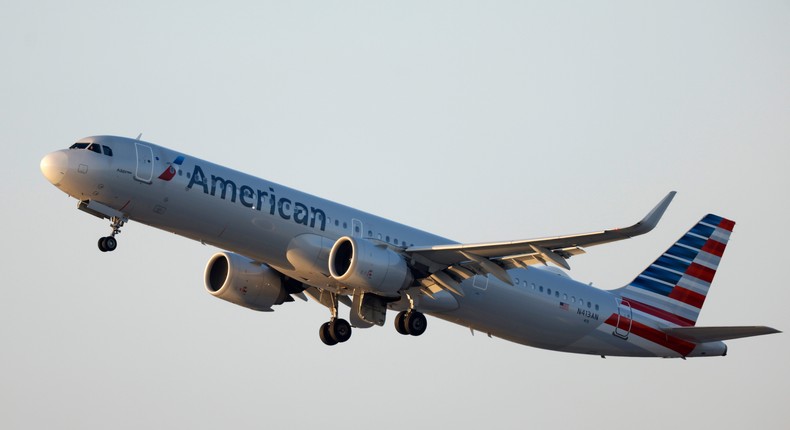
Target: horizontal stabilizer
pixel 713 334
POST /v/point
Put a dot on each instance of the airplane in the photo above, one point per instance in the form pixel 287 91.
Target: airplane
pixel 279 243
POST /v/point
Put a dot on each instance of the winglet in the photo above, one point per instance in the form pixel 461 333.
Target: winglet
pixel 650 221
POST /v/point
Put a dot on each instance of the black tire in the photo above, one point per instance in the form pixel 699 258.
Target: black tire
pixel 416 323
pixel 102 247
pixel 110 243
pixel 323 333
pixel 340 330
pixel 400 323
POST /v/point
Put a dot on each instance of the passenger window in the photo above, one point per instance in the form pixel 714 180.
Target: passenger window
pixel 564 297
pixel 95 148
pixel 557 294
pixel 589 305
pixel 379 236
pixel 345 225
pixel 395 241
pixel 540 288
pixel 596 307
pixel 337 223
pixel 548 291
pixel 388 239
pixel 533 285
pixel 356 229
pixel 107 151
pixel 370 233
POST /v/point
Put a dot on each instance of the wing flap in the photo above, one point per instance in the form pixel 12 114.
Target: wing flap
pixel 713 334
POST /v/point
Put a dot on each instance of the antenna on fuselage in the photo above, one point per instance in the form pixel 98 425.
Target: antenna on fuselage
pixel 139 136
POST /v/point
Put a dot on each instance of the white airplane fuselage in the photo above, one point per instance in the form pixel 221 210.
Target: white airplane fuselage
pixel 291 231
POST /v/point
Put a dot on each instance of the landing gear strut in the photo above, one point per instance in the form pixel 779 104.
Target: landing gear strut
pixel 337 330
pixel 107 244
pixel 411 322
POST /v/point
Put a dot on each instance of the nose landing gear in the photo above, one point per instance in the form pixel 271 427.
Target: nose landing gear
pixel 109 243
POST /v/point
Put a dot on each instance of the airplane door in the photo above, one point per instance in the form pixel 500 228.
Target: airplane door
pixel 145 163
pixel 624 319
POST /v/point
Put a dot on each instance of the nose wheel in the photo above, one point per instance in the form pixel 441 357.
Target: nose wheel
pixel 109 243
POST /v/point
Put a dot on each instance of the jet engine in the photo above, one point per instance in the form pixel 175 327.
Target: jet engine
pixel 243 282
pixel 368 266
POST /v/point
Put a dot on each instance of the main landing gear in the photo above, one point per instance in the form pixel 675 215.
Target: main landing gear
pixel 411 322
pixel 337 330
pixel 107 244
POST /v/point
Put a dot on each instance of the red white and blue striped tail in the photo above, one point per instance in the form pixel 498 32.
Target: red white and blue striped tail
pixel 673 289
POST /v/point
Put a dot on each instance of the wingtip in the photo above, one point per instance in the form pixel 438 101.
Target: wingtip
pixel 650 221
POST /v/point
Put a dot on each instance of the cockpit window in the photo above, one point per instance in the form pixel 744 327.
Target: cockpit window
pixel 95 147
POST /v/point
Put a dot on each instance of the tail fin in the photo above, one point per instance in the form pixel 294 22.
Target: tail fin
pixel 673 289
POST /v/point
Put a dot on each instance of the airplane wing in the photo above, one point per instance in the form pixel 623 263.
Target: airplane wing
pixel 495 257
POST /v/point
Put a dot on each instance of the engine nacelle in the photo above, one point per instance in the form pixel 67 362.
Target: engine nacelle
pixel 240 281
pixel 362 264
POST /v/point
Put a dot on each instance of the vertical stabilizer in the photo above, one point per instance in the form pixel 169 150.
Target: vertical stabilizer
pixel 673 289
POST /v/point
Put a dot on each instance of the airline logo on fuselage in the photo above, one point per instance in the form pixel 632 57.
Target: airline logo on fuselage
pixel 256 199
pixel 170 171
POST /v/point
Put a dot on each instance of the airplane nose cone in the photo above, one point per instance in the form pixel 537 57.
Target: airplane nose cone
pixel 54 166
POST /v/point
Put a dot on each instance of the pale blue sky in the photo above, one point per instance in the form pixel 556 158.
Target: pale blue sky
pixel 476 121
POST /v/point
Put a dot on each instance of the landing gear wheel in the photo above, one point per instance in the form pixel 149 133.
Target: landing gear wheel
pixel 340 330
pixel 107 244
pixel 400 323
pixel 415 323
pixel 323 333
pixel 110 243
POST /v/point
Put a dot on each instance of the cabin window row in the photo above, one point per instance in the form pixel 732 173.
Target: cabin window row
pixel 557 294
